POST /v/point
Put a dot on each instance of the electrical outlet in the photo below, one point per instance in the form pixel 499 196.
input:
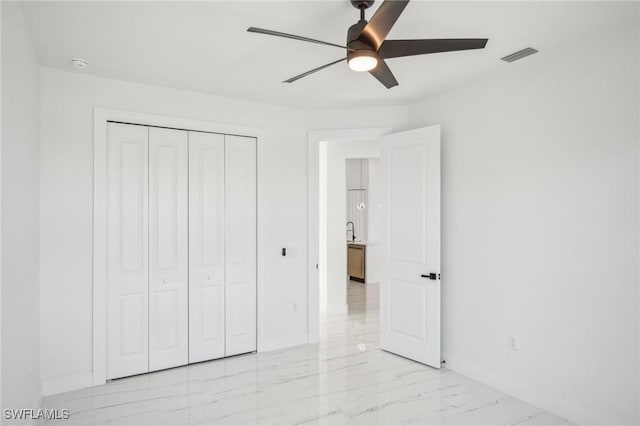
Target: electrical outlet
pixel 512 343
pixel 294 307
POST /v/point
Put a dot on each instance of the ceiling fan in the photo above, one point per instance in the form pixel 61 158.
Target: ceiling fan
pixel 367 47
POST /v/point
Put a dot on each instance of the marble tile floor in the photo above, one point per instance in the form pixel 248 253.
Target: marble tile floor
pixel 361 297
pixel 344 380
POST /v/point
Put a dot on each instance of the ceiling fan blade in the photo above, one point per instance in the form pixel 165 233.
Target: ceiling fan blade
pixel 398 48
pixel 294 37
pixel 384 74
pixel 298 77
pixel 382 21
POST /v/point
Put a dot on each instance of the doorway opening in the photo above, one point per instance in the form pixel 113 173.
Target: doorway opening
pixel 349 227
pixel 409 295
pixel 320 268
pixel 363 233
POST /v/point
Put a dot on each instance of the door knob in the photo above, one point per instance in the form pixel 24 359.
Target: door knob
pixel 431 276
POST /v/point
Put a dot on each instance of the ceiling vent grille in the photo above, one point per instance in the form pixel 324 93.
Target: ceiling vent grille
pixel 520 54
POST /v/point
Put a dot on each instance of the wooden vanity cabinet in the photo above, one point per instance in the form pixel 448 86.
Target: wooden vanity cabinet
pixel 356 261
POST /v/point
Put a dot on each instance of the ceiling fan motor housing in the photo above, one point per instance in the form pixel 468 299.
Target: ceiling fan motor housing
pixel 362 4
pixel 361 55
pixel 355 39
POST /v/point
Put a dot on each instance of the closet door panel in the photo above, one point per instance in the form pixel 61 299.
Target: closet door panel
pixel 168 244
pixel 240 247
pixel 206 247
pixel 127 250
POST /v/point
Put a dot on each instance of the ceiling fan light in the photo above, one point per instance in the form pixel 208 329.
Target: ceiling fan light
pixel 362 60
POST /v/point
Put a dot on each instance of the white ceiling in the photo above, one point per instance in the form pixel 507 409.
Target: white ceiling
pixel 204 46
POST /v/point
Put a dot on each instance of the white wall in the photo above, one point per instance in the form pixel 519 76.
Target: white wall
pixel 360 118
pixel 374 250
pixel 357 190
pixel 1 405
pixel 354 178
pixel 20 210
pixel 540 228
pixel 335 248
pixel 66 205
pixel 322 238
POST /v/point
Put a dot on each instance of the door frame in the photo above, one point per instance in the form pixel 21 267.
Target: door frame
pixel 100 118
pixel 314 137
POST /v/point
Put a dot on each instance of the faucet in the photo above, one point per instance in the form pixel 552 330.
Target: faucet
pixel 353 232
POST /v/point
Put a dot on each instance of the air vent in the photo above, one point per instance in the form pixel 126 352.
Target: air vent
pixel 520 54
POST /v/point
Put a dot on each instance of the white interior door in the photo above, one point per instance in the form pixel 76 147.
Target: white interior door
pixel 127 250
pixel 206 246
pixel 240 247
pixel 168 247
pixel 409 295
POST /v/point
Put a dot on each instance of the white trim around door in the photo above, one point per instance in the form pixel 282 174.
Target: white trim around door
pixel 314 137
pixel 100 118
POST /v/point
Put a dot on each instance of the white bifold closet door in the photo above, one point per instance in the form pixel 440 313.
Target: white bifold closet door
pixel 181 255
pixel 206 246
pixel 222 245
pixel 168 249
pixel 240 244
pixel 127 250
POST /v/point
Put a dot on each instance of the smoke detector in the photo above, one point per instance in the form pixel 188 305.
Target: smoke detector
pixel 79 63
